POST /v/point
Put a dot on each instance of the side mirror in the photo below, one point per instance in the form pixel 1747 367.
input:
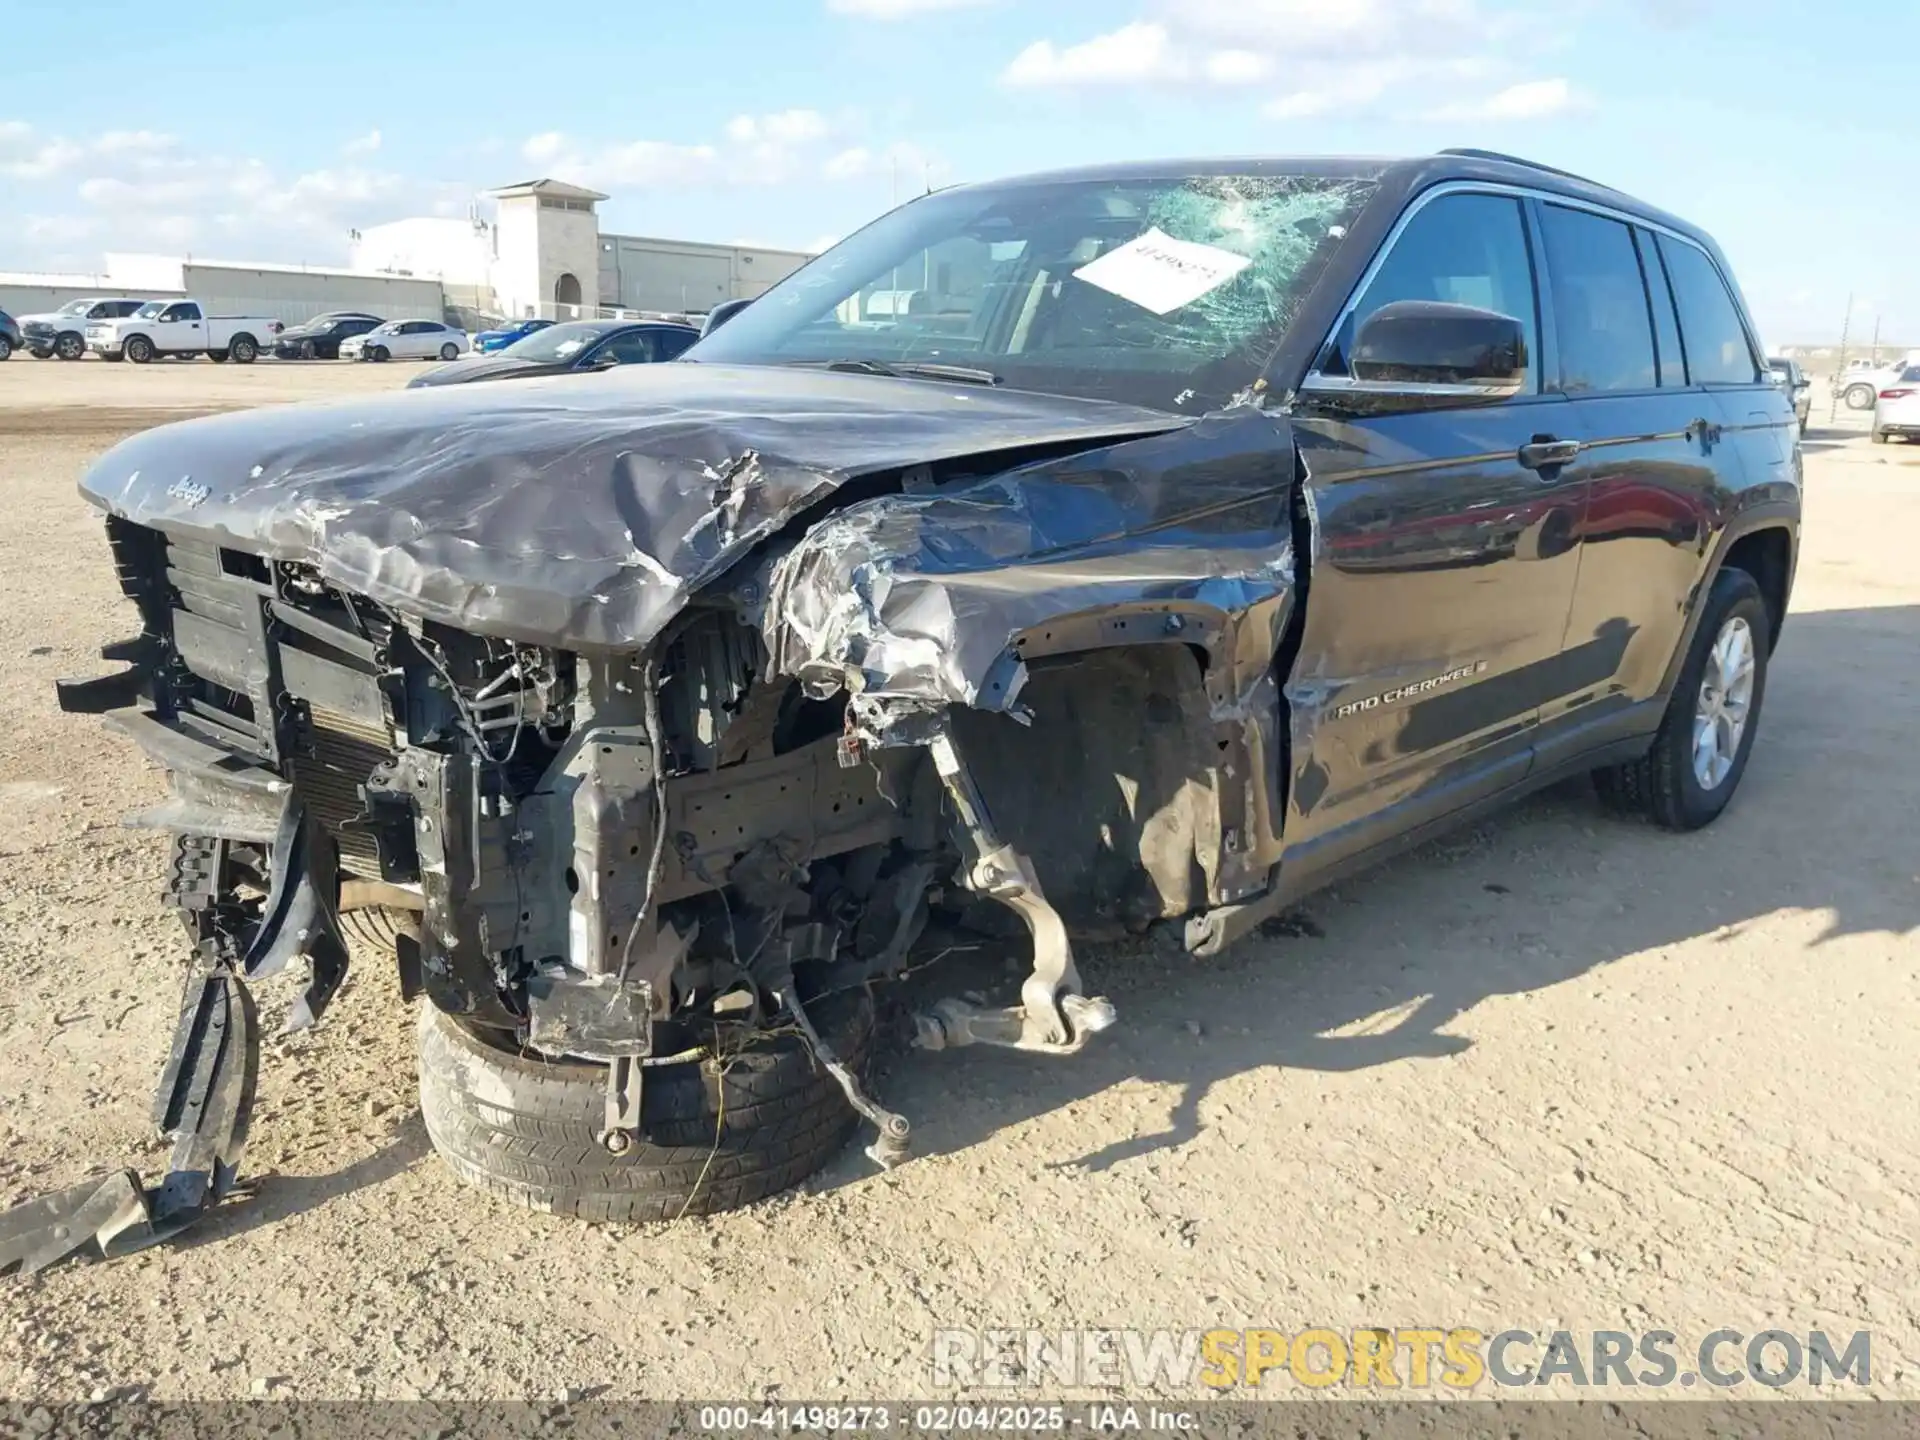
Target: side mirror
pixel 720 314
pixel 604 362
pixel 1422 354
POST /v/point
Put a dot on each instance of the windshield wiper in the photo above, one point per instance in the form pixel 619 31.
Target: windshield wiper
pixel 918 370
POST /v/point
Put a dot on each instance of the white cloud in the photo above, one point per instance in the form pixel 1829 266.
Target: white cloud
pixel 1312 57
pixel 362 144
pixel 898 9
pixel 775 148
pixel 1131 53
pixel 140 190
pixel 1530 100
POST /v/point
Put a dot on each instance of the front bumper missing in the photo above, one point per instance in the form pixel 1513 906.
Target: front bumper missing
pixel 205 1100
pixel 206 1090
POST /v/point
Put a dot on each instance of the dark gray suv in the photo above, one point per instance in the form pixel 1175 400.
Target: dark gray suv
pixel 1061 556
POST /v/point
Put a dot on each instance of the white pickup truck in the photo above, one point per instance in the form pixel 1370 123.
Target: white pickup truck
pixel 181 327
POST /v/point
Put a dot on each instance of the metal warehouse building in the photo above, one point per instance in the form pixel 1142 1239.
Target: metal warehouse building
pixel 542 253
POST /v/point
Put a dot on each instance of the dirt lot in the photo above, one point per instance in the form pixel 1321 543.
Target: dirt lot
pixel 1556 1071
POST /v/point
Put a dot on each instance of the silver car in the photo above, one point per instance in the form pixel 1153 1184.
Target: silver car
pixel 407 340
pixel 1896 409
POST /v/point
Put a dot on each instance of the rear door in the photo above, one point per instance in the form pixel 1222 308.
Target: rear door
pixel 1663 464
pixel 1444 560
pixel 1650 457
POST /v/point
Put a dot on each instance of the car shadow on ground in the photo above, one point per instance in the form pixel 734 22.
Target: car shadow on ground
pixel 1502 907
pixel 269 1196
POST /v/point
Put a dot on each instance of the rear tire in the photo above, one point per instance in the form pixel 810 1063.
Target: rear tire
pixel 1859 397
pixel 1664 784
pixel 449 351
pixel 243 350
pixel 309 351
pixel 528 1129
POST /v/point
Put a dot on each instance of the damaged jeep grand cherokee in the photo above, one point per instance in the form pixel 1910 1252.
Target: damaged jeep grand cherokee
pixel 1133 545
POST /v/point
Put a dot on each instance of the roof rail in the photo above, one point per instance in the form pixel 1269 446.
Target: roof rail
pixel 1470 153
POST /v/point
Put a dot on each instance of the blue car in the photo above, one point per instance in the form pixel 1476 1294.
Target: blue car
pixel 487 341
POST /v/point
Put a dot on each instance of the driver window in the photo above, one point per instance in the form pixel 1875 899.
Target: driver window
pixel 1463 249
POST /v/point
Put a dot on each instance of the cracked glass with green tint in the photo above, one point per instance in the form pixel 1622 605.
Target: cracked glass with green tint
pixel 1169 292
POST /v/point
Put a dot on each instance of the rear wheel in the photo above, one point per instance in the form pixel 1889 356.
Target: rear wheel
pixel 717 1133
pixel 309 351
pixel 449 351
pixel 1879 437
pixel 1700 751
pixel 243 350
pixel 139 349
pixel 1859 397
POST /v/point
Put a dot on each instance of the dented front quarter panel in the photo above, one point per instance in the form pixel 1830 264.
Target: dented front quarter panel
pixel 915 603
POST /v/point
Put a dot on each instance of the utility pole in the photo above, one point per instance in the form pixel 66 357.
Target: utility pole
pixel 1875 352
pixel 1840 365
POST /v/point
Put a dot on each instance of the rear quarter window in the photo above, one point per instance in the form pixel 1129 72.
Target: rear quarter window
pixel 1718 351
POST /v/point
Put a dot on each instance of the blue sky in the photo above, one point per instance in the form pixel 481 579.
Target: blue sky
pixel 791 122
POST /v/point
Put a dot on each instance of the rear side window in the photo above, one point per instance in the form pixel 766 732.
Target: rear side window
pixel 1600 312
pixel 669 343
pixel 1717 348
pixel 1463 249
pixel 1666 323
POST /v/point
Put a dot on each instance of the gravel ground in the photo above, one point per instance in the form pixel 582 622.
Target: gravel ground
pixel 1556 1071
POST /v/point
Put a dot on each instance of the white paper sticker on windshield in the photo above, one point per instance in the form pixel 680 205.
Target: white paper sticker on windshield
pixel 1159 273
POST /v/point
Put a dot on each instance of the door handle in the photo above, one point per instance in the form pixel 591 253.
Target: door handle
pixel 1544 452
pixel 1704 431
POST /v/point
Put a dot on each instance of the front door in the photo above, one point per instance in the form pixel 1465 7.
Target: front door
pixel 1443 567
pixel 179 328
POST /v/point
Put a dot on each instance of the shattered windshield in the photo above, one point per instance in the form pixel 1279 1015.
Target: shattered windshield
pixel 1170 292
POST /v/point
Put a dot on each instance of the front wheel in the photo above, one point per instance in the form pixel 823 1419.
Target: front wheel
pixel 219 357
pixel 717 1130
pixel 6 348
pixel 70 347
pixel 379 353
pixel 139 349
pixel 1859 397
pixel 1700 751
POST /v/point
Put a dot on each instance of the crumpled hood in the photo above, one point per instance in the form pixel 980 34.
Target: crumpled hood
pixel 576 511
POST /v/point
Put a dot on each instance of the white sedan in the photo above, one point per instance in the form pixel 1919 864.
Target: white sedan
pixel 1896 409
pixel 407 340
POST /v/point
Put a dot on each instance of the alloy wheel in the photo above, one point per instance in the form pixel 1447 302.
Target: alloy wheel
pixel 1725 699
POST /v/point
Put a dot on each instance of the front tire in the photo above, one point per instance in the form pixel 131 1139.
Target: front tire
pixel 139 349
pixel 716 1134
pixel 1700 751
pixel 379 354
pixel 70 346
pixel 6 348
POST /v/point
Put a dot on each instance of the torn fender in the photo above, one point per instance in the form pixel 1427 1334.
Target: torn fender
pixel 915 603
pixel 576 512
